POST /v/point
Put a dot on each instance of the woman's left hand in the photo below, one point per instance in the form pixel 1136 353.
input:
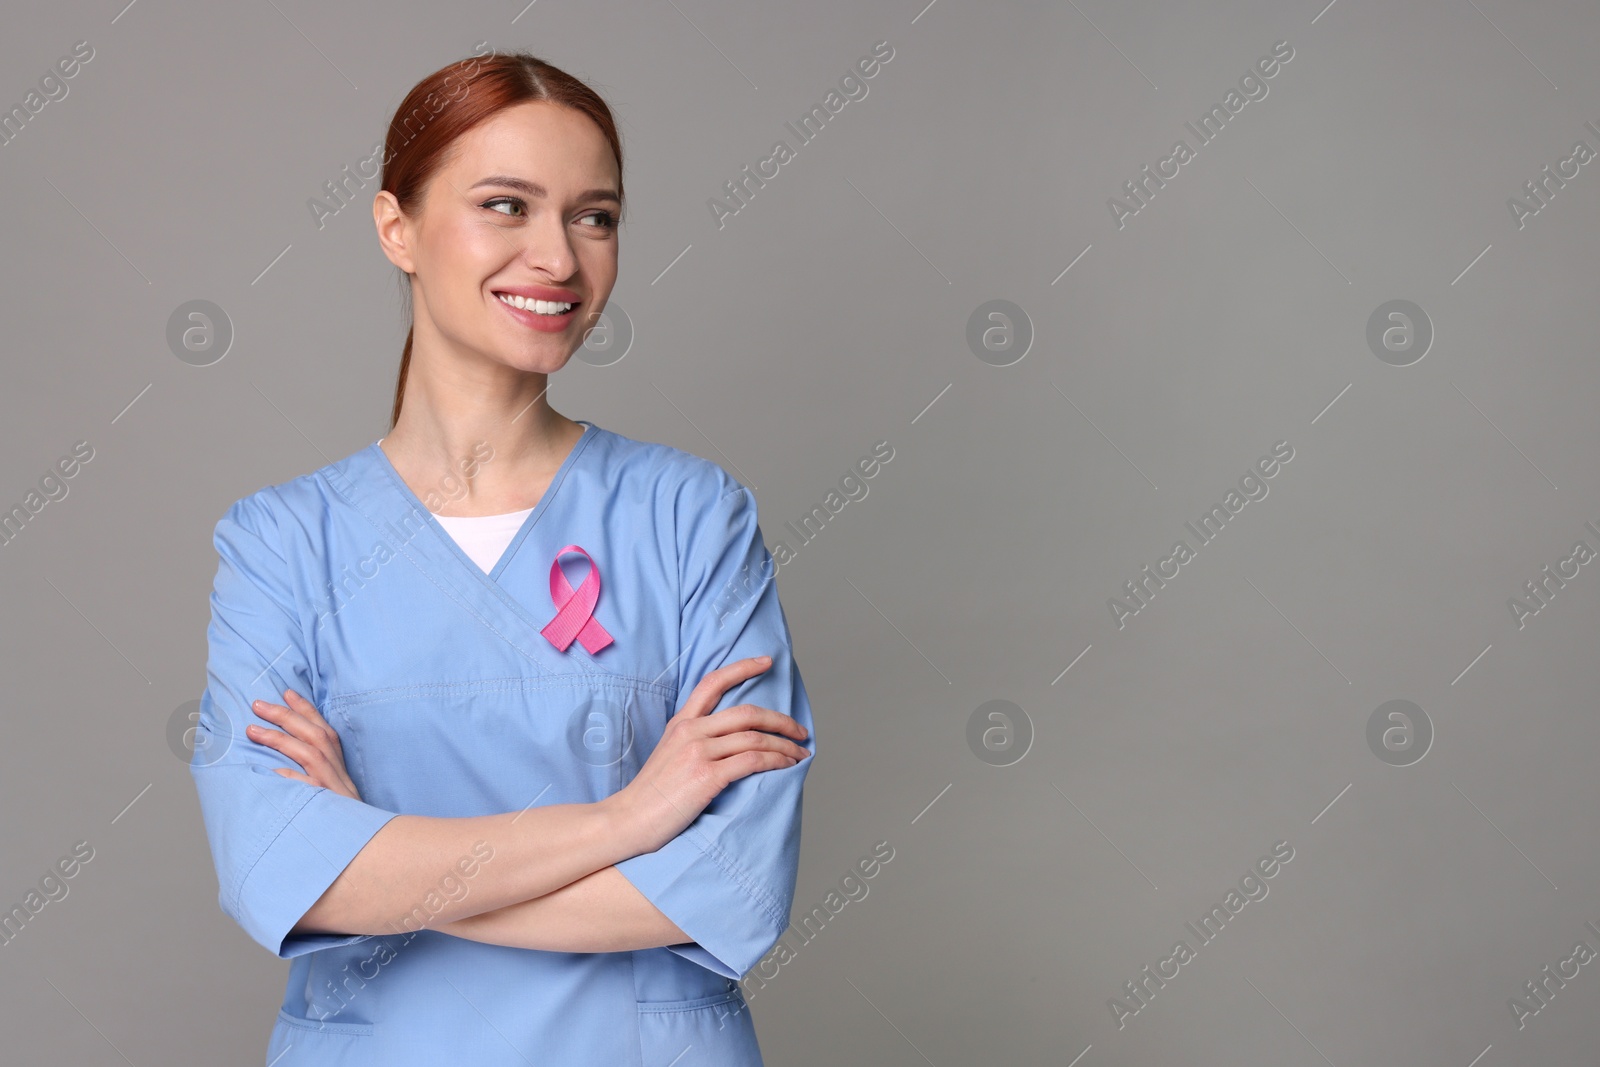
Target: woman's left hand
pixel 306 738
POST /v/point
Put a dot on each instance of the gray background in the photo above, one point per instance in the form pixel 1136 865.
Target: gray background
pixel 1227 315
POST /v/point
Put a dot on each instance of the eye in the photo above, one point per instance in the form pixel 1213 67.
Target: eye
pixel 605 220
pixel 492 204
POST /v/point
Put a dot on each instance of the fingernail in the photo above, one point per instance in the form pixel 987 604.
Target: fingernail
pixel 766 659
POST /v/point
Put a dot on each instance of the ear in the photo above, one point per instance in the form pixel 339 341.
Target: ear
pixel 394 230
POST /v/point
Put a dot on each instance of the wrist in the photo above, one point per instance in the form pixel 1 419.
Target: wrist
pixel 619 820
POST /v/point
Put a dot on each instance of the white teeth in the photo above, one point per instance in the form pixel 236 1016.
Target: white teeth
pixel 540 307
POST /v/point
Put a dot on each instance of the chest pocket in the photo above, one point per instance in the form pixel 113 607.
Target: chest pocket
pixel 458 749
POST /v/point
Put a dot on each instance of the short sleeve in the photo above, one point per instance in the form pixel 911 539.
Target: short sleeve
pixel 277 843
pixel 728 879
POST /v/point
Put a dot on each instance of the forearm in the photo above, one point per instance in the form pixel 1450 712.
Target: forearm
pixel 601 912
pixel 411 865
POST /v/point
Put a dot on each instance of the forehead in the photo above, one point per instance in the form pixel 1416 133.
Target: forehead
pixel 555 146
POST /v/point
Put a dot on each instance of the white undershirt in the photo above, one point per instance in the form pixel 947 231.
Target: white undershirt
pixel 482 537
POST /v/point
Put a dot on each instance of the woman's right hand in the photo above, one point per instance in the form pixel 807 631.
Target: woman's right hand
pixel 701 754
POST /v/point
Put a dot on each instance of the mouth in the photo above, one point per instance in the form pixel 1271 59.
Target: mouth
pixel 544 315
pixel 550 308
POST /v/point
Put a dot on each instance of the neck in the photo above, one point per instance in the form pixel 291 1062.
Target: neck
pixel 454 414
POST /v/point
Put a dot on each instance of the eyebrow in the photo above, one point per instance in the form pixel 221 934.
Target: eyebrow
pixel 534 189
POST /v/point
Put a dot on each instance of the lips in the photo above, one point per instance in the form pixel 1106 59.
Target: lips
pixel 540 292
pixel 533 319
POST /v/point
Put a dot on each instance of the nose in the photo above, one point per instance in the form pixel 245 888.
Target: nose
pixel 546 247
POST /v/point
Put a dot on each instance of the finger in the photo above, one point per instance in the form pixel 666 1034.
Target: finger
pixel 293 723
pixel 754 716
pixel 724 748
pixel 303 706
pixel 316 745
pixel 704 697
pixel 284 718
pixel 309 711
pixel 777 722
pixel 279 742
pixel 307 756
pixel 718 748
pixel 746 763
pixel 712 687
pixel 297 776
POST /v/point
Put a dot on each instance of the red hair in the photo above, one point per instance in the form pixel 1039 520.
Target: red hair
pixel 451 101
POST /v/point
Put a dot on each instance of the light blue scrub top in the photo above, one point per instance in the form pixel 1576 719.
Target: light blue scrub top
pixel 449 702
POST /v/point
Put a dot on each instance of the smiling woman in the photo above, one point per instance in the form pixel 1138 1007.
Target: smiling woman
pixel 635 767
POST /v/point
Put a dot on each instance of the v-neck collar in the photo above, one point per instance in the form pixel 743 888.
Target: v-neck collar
pixel 370 482
pixel 387 467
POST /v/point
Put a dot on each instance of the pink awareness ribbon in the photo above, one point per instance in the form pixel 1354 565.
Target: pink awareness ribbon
pixel 575 610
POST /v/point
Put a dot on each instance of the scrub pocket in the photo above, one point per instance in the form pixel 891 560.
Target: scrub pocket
pixel 710 1031
pixel 296 1041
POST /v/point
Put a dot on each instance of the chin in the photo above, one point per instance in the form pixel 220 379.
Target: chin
pixel 533 362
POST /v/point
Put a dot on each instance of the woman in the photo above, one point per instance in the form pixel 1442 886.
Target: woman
pixel 494 820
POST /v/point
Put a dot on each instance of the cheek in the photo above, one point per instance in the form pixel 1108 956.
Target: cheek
pixel 462 256
pixel 480 249
pixel 597 264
